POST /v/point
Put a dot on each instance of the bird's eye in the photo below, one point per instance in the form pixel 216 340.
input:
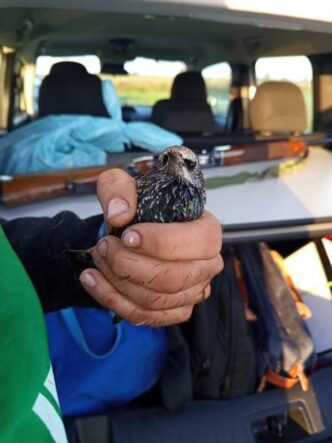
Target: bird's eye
pixel 165 159
pixel 190 164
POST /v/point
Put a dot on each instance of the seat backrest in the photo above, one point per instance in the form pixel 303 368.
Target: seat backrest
pixel 187 110
pixel 278 107
pixel 234 117
pixel 70 89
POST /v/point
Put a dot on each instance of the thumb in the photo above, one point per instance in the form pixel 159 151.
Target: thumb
pixel 116 191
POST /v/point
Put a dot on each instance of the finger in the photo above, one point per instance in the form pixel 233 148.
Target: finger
pixel 152 300
pixel 156 301
pixel 116 192
pixel 199 239
pixel 156 275
pixel 105 294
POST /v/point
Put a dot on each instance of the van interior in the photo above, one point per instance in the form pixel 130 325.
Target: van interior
pixel 216 77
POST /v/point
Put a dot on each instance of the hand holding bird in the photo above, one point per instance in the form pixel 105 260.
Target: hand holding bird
pixel 156 272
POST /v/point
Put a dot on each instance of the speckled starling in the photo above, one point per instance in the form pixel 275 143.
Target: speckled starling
pixel 172 191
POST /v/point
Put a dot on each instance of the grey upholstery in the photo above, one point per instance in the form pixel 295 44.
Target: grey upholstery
pixel 187 110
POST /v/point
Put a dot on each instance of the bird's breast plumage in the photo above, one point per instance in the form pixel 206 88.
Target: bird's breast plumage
pixel 166 199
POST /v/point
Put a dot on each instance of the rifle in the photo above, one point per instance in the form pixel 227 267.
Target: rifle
pixel 29 188
pixel 229 155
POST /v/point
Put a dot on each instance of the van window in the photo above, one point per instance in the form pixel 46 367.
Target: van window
pixel 146 80
pixel 295 69
pixel 218 78
pixel 44 63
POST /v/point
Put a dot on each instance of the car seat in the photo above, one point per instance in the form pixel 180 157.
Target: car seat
pixel 187 110
pixel 234 118
pixel 278 108
pixel 70 89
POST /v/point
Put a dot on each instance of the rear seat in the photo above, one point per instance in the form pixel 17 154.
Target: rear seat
pixel 278 109
pixel 70 89
pixel 189 114
pixel 187 110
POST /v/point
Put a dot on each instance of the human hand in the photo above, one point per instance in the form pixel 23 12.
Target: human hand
pixel 156 273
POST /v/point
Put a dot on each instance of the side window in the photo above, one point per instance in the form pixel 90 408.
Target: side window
pixel 218 78
pixel 295 69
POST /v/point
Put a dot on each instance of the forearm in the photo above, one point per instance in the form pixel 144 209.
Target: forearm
pixel 41 244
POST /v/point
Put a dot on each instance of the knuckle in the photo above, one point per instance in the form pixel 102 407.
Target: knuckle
pixel 158 242
pixel 219 265
pixel 106 299
pixel 215 241
pixel 118 262
pixel 164 241
pixel 182 315
pixel 207 292
pixel 186 313
pixel 135 315
pixel 157 302
pixel 104 177
pixel 165 301
pixel 172 282
pixel 148 300
pixel 213 231
pixel 97 259
pixel 155 322
pixel 113 179
pixel 113 174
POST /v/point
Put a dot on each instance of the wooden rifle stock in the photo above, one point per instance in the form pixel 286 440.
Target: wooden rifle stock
pixel 28 188
pixel 261 151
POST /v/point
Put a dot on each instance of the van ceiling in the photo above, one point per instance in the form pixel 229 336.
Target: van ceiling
pixel 197 41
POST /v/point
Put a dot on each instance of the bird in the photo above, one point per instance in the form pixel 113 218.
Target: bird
pixel 173 190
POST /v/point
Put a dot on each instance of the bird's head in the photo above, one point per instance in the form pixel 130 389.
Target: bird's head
pixel 181 163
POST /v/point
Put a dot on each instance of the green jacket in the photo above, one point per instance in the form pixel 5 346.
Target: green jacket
pixel 29 405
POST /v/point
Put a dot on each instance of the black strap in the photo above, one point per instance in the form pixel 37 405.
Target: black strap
pixel 324 259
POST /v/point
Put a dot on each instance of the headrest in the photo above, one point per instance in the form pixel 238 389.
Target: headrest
pixel 68 68
pixel 278 107
pixel 69 89
pixel 189 86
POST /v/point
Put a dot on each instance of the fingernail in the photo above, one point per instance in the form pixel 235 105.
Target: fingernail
pixel 88 279
pixel 102 248
pixel 131 239
pixel 116 207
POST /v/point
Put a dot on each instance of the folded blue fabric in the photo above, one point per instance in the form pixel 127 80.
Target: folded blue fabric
pixel 150 136
pixel 75 141
pixel 99 365
pixel 111 100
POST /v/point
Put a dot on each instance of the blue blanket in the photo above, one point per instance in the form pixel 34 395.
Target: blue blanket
pixel 75 141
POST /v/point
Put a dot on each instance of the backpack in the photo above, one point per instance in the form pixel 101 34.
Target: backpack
pixel 286 349
pixel 217 348
pixel 250 332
